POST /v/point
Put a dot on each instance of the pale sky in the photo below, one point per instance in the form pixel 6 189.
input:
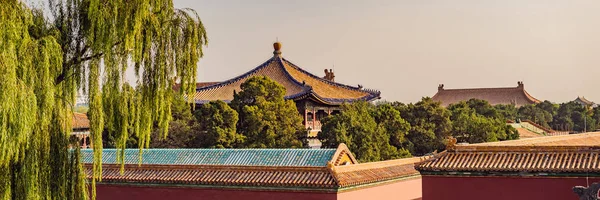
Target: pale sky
pixel 405 48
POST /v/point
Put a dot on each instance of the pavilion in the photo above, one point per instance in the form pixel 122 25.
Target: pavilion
pixel 316 97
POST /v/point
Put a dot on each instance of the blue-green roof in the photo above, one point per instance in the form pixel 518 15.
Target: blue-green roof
pixel 240 157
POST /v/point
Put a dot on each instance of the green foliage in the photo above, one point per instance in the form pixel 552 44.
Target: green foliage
pixel 389 119
pixel 44 63
pixel 535 114
pixel 181 128
pixel 572 116
pixel 508 112
pixel 596 117
pixel 479 122
pixel 430 125
pixel 266 119
pixel 218 127
pixel 357 127
pixel 482 107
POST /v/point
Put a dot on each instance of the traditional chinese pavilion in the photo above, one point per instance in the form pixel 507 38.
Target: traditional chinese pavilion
pixel 223 174
pixel 584 102
pixel 81 129
pixel 315 97
pixel 510 95
pixel 535 168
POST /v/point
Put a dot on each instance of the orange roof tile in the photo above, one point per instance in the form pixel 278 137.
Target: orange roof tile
pixel 296 177
pixel 524 133
pixel 366 173
pixel 564 153
pixel 332 177
pixel 80 121
pixel 299 84
pixel 513 95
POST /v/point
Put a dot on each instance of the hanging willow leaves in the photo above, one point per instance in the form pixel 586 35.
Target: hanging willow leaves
pixel 87 46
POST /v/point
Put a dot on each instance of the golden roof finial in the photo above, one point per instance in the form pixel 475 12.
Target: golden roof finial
pixel 277 47
pixel 451 143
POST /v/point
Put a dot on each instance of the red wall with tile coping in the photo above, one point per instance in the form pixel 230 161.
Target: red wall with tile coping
pixel 125 192
pixel 501 188
pixel 400 190
pixel 408 189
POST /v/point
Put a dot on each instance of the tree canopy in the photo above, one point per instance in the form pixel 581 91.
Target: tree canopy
pixel 430 125
pixel 366 130
pixel 218 128
pixel 476 121
pixel 266 119
pixel 86 45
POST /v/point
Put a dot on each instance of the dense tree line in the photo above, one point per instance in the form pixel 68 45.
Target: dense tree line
pixel 260 117
pixel 395 130
pixel 569 116
pixel 257 117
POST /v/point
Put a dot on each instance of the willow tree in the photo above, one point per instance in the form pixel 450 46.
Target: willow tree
pixel 86 46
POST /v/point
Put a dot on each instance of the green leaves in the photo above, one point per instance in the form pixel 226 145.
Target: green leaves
pixel 266 119
pixel 87 47
pixel 218 123
pixel 371 133
pixel 476 121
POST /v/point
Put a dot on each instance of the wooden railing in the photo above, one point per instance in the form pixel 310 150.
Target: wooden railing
pixel 316 126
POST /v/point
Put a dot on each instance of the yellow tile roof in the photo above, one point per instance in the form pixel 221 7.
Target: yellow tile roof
pixel 365 173
pixel 565 153
pixel 80 121
pixel 332 177
pixel 508 95
pixel 583 139
pixel 298 83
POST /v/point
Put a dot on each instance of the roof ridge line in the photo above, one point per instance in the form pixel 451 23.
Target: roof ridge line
pixel 530 97
pixel 244 75
pixel 456 89
pixel 307 88
pixel 328 81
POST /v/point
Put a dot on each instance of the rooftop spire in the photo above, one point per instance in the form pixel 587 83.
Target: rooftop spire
pixel 277 47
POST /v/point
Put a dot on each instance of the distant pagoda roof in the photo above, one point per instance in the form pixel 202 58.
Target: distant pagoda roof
pixel 299 84
pixel 583 100
pixel 327 170
pixel 543 156
pixel 511 95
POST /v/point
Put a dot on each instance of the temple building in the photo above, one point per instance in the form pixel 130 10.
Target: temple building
pixel 316 97
pixel 223 174
pixel 81 129
pixel 553 167
pixel 584 102
pixel 510 96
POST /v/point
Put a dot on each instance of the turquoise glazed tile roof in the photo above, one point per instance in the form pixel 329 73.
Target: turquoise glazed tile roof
pixel 232 157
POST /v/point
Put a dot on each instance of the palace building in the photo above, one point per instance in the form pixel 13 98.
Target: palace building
pixel 584 102
pixel 316 97
pixel 81 129
pixel 510 95
pixel 222 174
pixel 553 167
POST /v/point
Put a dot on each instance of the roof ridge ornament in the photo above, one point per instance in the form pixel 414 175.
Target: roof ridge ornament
pixel 451 143
pixel 277 48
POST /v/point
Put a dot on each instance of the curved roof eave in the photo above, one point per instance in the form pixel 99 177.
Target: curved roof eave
pixel 372 92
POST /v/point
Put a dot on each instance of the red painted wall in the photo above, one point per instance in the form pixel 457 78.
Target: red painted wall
pixel 117 192
pixel 402 190
pixel 501 188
